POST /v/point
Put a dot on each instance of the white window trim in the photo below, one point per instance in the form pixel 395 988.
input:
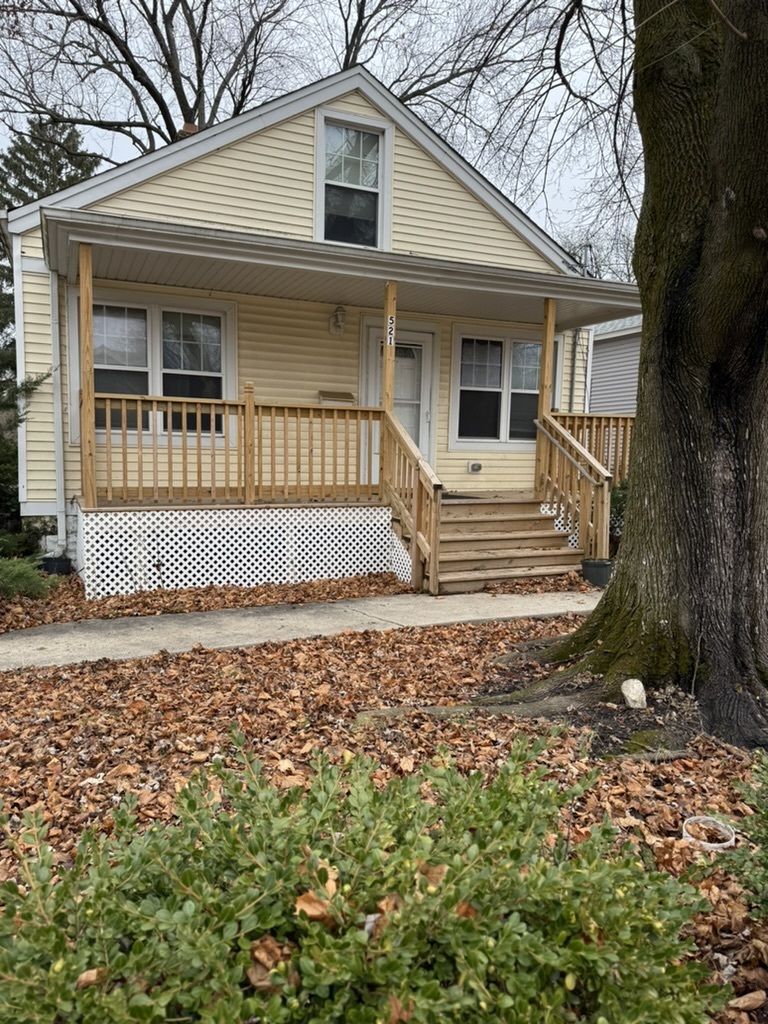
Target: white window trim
pixel 507 337
pixel 154 303
pixel 386 130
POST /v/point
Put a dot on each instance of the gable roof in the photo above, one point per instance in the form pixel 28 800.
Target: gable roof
pixel 293 104
pixel 627 325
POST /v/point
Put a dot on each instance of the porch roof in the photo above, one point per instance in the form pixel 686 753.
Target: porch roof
pixel 133 250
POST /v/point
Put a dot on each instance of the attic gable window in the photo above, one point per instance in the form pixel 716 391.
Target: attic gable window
pixel 353 179
pixel 351 185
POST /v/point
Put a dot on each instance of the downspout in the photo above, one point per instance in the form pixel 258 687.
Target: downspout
pixel 58 416
pixel 574 353
pixel 590 351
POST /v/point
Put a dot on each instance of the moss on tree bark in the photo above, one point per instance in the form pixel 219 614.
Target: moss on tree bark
pixel 688 602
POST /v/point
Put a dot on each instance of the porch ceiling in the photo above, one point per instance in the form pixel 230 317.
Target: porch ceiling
pixel 147 252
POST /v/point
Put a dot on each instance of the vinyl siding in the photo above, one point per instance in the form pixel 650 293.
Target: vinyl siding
pixel 41 466
pixel 264 184
pixel 285 349
pixel 505 471
pixel 434 215
pixel 614 375
pixel 32 244
pixel 574 367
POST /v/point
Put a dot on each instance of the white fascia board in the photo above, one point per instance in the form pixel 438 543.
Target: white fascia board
pixel 18 306
pixel 37 508
pixel 210 140
pixel 5 233
pixel 284 108
pixel 64 229
pixel 625 332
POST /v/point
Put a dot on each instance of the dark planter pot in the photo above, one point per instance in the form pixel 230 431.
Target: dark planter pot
pixel 597 571
pixel 57 565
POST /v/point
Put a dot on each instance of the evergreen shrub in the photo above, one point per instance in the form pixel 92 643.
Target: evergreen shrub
pixel 21 577
pixel 434 898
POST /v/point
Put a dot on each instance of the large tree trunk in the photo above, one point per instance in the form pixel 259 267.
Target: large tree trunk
pixel 689 599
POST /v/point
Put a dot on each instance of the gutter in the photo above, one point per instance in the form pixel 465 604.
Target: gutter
pixel 5 233
pixel 58 416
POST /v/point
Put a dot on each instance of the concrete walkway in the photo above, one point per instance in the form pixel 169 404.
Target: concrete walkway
pixel 243 627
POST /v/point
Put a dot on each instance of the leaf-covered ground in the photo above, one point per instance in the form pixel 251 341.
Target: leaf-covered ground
pixel 66 600
pixel 74 739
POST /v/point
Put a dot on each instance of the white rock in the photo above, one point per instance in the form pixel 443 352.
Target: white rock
pixel 634 693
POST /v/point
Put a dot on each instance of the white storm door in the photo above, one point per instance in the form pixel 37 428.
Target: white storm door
pixel 413 383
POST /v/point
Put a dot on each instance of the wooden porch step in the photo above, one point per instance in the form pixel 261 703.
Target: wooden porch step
pixel 485 540
pixel 511 523
pixel 506 558
pixel 483 508
pixel 468 581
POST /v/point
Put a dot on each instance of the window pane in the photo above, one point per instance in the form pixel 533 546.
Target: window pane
pixel 179 385
pixel 522 412
pixel 119 336
pixel 351 156
pixel 526 357
pixel 120 382
pixel 191 341
pixel 481 363
pixel 350 215
pixel 479 414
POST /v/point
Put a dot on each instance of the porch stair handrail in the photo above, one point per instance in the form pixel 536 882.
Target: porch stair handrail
pixel 573 482
pixel 414 493
pixel 606 436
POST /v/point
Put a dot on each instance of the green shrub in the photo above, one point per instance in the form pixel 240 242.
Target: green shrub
pixel 18 545
pixel 20 577
pixel 486 912
pixel 750 862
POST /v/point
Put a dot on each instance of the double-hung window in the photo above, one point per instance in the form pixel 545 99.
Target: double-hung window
pixel 496 390
pixel 162 349
pixel 352 180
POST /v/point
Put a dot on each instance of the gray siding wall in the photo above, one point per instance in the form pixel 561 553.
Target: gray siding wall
pixel 614 375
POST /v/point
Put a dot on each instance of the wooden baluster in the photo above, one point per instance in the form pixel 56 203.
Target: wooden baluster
pixel 323 474
pixel 108 446
pixel 249 445
pixel 140 449
pixel 155 454
pixel 335 494
pixel 184 452
pixel 227 452
pixel 198 450
pixel 169 447
pixel 124 442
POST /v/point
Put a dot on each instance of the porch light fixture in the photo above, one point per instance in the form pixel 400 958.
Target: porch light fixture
pixel 337 320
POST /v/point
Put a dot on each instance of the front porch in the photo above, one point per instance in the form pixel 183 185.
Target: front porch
pixel 181 474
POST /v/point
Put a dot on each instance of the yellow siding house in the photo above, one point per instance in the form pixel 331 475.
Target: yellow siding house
pixel 308 342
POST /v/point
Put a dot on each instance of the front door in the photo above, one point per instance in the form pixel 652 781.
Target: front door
pixel 413 382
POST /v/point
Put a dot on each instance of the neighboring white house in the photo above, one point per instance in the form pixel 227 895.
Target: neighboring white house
pixel 615 361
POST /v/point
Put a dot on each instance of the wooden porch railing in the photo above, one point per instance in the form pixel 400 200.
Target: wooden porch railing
pixel 413 491
pixel 232 452
pixel 607 438
pixel 576 484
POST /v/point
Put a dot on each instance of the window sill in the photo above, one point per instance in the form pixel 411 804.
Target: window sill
pixel 500 447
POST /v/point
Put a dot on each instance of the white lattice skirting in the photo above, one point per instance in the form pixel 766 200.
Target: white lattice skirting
pixel 121 552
